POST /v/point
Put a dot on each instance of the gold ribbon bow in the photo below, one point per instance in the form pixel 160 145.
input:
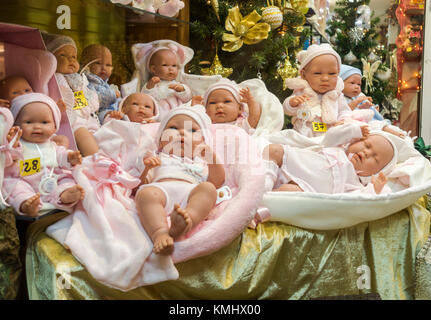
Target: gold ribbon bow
pixel 244 30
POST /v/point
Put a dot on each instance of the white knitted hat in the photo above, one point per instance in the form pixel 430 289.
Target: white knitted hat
pixel 54 42
pixel 305 56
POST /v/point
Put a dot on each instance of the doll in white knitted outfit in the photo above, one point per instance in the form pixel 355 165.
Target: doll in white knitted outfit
pixel 317 102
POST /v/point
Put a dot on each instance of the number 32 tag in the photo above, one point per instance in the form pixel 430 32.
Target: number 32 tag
pixel 29 167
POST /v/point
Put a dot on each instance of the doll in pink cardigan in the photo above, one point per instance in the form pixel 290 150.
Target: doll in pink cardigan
pixel 43 176
pixel 183 179
pixel 82 103
pixel 226 103
pixel 162 62
pixel 350 159
pixel 317 101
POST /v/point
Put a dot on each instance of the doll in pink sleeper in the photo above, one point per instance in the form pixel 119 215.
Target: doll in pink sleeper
pixel 136 107
pixel 162 63
pixel 348 161
pixel 44 174
pixel 82 109
pixel 226 103
pixel 183 178
pixel 317 98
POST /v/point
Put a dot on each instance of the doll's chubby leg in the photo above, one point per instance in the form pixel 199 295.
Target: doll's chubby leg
pixel 200 202
pixel 290 187
pixel 274 153
pixel 151 202
pixel 85 142
pixel 273 156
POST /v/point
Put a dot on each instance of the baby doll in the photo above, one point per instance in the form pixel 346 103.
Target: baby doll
pixel 44 173
pixel 82 103
pixel 136 107
pixel 184 179
pixel 347 161
pixel 225 102
pixel 98 60
pixel 352 78
pixel 317 101
pixel 14 86
pixel 163 62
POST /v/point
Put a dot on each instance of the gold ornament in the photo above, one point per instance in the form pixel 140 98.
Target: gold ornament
pixel 244 30
pixel 368 71
pixel 215 5
pixel 300 5
pixel 272 15
pixel 287 71
pixel 217 69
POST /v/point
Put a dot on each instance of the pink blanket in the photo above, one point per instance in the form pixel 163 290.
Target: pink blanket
pixel 105 234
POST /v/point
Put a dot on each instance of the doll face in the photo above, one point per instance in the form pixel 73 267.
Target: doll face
pixel 103 66
pixel 181 136
pixel 370 155
pixel 321 73
pixel 67 62
pixel 138 107
pixel 37 122
pixel 352 86
pixel 164 64
pixel 222 107
pixel 13 87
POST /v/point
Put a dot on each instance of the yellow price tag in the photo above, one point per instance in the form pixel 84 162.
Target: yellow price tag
pixel 29 167
pixel 80 100
pixel 319 127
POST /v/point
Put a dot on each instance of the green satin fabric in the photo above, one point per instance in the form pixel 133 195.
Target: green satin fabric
pixel 10 263
pixel 275 261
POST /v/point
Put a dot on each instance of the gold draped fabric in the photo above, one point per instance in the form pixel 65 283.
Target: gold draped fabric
pixel 275 261
pixel 10 263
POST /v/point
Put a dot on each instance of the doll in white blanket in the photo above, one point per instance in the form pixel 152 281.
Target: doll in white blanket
pixel 348 160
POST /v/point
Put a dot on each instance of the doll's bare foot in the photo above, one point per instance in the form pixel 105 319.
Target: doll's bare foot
pixel 31 206
pixel 163 244
pixel 181 222
pixel 72 194
pixel 290 187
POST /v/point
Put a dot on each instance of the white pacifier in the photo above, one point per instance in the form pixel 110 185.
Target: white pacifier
pixel 223 193
pixel 48 183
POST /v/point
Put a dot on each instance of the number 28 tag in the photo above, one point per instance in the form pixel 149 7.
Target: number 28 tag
pixel 80 100
pixel 29 167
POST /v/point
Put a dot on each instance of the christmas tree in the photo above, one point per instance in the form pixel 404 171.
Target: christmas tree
pixel 354 34
pixel 255 39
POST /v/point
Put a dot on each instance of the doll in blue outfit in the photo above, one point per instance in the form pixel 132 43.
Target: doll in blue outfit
pixel 97 62
pixel 352 78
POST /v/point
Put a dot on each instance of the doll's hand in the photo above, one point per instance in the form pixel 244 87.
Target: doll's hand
pixel 365 131
pixel 152 83
pixel 197 100
pixel 117 94
pixel 363 102
pixel 204 151
pixel 149 120
pixel 61 105
pixel 118 115
pixel 177 87
pixel 11 134
pixel 74 158
pixel 395 133
pixel 298 100
pixel 152 162
pixel 246 95
pixel 4 103
pixel 379 182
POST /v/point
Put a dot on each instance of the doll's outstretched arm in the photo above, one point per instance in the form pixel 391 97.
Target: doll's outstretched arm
pixel 150 163
pixel 379 182
pixel 291 104
pixel 344 133
pixel 253 107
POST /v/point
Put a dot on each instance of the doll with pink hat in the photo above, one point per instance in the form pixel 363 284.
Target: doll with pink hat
pixel 137 107
pixel 161 64
pixel 82 103
pixel 226 102
pixel 42 178
pixel 179 182
pixel 317 102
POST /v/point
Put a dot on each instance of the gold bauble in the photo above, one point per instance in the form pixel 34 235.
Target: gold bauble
pixel 287 71
pixel 217 68
pixel 300 5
